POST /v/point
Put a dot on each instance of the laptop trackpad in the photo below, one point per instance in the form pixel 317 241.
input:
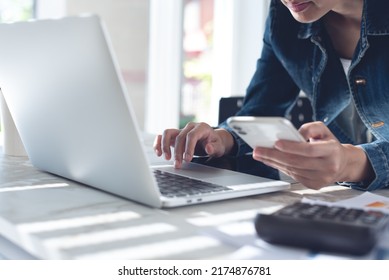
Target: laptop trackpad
pixel 212 174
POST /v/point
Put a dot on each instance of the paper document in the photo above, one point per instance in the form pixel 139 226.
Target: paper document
pixel 366 200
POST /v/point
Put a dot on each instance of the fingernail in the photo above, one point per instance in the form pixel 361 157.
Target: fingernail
pixel 187 157
pixel 256 155
pixel 277 145
pixel 177 164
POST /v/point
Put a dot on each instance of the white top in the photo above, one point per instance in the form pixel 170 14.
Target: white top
pixel 349 119
pixel 346 64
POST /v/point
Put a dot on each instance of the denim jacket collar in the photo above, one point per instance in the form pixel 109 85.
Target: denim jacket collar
pixel 308 30
pixel 375 18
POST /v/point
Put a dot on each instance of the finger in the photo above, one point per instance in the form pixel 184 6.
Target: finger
pixel 323 168
pixel 311 183
pixel 168 139
pixel 285 160
pixel 309 178
pixel 180 144
pixel 313 149
pixel 157 145
pixel 315 130
pixel 198 135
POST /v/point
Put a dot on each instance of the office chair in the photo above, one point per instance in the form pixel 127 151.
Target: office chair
pixel 300 114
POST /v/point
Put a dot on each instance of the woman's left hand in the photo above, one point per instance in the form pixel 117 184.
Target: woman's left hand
pixel 320 161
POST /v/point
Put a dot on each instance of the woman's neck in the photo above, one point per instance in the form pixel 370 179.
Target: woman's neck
pixel 343 25
pixel 350 10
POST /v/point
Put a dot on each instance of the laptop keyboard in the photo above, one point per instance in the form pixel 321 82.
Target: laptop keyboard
pixel 173 185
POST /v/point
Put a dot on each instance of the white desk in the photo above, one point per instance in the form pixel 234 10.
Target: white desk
pixel 53 218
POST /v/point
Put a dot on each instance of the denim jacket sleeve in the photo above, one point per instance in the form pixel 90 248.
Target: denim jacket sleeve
pixel 378 154
pixel 271 92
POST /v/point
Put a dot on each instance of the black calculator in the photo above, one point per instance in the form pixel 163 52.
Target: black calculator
pixel 323 228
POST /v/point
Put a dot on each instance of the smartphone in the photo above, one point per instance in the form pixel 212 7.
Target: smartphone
pixel 264 131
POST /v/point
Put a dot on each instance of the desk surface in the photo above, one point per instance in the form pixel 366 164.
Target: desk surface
pixel 54 218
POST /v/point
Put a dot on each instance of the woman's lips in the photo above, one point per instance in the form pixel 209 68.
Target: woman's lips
pixel 298 7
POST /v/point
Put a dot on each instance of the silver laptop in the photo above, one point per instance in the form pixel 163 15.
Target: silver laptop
pixel 69 103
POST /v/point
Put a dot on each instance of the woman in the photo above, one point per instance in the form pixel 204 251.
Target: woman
pixel 335 51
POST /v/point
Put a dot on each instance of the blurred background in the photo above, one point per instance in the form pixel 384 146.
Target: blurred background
pixel 177 57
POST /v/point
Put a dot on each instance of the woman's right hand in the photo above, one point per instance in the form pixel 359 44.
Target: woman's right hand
pixel 194 139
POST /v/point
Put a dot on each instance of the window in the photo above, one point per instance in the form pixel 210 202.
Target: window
pixel 200 51
pixel 16 10
pixel 195 99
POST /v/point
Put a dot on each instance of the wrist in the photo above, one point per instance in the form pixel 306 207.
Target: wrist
pixel 358 166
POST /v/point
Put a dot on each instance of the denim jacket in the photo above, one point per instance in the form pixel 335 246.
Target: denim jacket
pixel 298 56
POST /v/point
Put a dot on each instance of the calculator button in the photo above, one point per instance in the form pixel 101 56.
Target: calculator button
pixel 332 212
pixel 293 209
pixel 351 215
pixel 371 217
pixel 312 212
